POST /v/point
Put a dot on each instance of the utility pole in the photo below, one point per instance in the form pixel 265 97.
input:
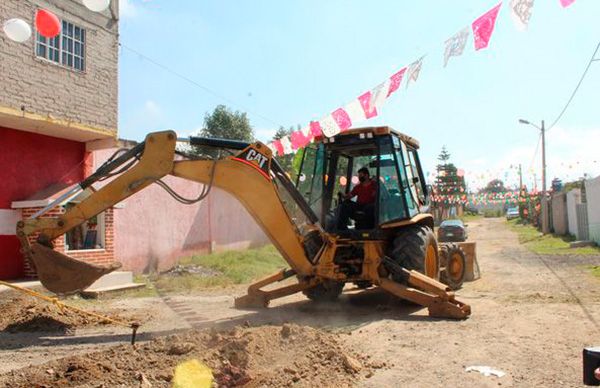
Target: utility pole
pixel 543 202
pixel 545 218
pixel 520 180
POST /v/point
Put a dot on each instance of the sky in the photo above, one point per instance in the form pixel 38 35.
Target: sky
pixel 286 63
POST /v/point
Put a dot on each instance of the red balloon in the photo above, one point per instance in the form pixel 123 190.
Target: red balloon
pixel 47 23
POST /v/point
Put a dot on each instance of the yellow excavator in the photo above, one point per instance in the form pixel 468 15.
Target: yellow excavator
pixel 327 239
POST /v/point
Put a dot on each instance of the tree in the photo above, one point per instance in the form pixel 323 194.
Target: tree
pixel 287 161
pixel 443 157
pixel 449 188
pixel 494 186
pixel 225 124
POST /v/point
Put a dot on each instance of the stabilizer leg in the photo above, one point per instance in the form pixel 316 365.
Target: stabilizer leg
pixel 257 298
pixel 432 294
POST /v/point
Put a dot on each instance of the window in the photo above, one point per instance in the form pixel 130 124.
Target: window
pixel 67 49
pixel 391 200
pixel 89 235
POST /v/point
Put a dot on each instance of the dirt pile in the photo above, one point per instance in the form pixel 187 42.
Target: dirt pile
pixel 22 313
pixel 270 356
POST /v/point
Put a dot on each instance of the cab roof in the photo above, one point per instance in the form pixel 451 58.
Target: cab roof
pixel 376 131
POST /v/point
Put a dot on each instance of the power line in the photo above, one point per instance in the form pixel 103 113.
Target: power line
pixel 187 79
pixel 592 60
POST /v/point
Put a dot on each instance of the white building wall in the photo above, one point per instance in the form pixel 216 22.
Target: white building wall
pixel 573 198
pixel 592 192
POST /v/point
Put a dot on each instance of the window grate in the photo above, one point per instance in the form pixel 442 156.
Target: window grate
pixel 67 49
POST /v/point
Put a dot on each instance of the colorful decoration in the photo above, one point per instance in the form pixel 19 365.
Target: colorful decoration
pixel 455 46
pixel 368 104
pixel 17 30
pixel 414 70
pixel 47 24
pixel 97 5
pixel 368 108
pixel 395 81
pixel 329 126
pixel 483 27
pixel 566 3
pixel 520 10
pixel 342 119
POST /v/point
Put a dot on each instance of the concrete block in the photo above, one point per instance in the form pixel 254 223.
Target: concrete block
pixel 113 279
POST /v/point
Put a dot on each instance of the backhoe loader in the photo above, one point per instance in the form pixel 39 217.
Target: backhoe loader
pixel 387 242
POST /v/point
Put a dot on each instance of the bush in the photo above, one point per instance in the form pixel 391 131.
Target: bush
pixel 492 213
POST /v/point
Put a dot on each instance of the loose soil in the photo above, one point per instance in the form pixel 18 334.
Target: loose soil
pixel 531 317
pixel 267 356
pixel 20 313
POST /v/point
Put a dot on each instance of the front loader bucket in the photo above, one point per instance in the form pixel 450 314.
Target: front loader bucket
pixel 61 274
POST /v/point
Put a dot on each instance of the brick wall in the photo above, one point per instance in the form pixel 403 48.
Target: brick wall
pixel 48 89
pixel 94 256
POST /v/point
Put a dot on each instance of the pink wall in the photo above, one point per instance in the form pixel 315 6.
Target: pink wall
pixel 30 162
pixel 152 229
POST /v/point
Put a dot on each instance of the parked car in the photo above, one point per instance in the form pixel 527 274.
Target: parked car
pixel 452 231
pixel 512 213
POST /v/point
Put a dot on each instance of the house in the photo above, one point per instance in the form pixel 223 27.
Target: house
pixel 58 103
pixel 58 123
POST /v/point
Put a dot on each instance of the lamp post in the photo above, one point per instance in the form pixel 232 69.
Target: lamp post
pixel 545 220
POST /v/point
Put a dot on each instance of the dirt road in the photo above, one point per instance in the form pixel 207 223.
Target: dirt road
pixel 531 318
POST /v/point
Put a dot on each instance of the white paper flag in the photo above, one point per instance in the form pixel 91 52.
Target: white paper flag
pixel 455 46
pixel 329 126
pixel 520 11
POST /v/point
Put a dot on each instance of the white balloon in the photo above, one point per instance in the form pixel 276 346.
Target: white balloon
pixel 17 30
pixel 96 5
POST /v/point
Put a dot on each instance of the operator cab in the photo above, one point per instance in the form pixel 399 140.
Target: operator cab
pixel 391 187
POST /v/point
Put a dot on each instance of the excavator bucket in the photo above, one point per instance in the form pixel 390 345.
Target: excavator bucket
pixel 61 274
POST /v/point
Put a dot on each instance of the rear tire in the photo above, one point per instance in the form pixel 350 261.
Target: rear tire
pixel 327 291
pixel 415 248
pixel 455 264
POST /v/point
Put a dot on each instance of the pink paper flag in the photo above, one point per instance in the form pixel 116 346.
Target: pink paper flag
pixel 566 3
pixel 395 81
pixel 342 119
pixel 299 140
pixel 365 102
pixel 315 129
pixel 278 146
pixel 483 27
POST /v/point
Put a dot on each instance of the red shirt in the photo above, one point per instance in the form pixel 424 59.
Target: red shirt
pixel 365 193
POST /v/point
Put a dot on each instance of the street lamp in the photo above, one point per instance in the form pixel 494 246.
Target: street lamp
pixel 545 220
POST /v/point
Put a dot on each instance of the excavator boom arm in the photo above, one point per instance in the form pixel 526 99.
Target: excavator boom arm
pixel 247 176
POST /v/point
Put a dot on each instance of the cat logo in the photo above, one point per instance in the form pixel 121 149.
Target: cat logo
pixel 254 158
pixel 254 155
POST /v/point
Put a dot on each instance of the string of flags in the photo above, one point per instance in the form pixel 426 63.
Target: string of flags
pixel 369 104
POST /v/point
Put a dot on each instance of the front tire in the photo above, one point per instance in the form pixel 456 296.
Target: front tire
pixel 415 248
pixel 454 266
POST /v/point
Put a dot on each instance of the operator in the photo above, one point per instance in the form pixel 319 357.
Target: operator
pixel 365 192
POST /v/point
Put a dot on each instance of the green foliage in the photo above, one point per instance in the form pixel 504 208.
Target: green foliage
pixel 290 162
pixel 447 183
pixel 548 244
pixel 443 157
pixel 233 267
pixel 596 271
pixel 494 186
pixel 226 124
pixel 578 184
pixel 492 213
